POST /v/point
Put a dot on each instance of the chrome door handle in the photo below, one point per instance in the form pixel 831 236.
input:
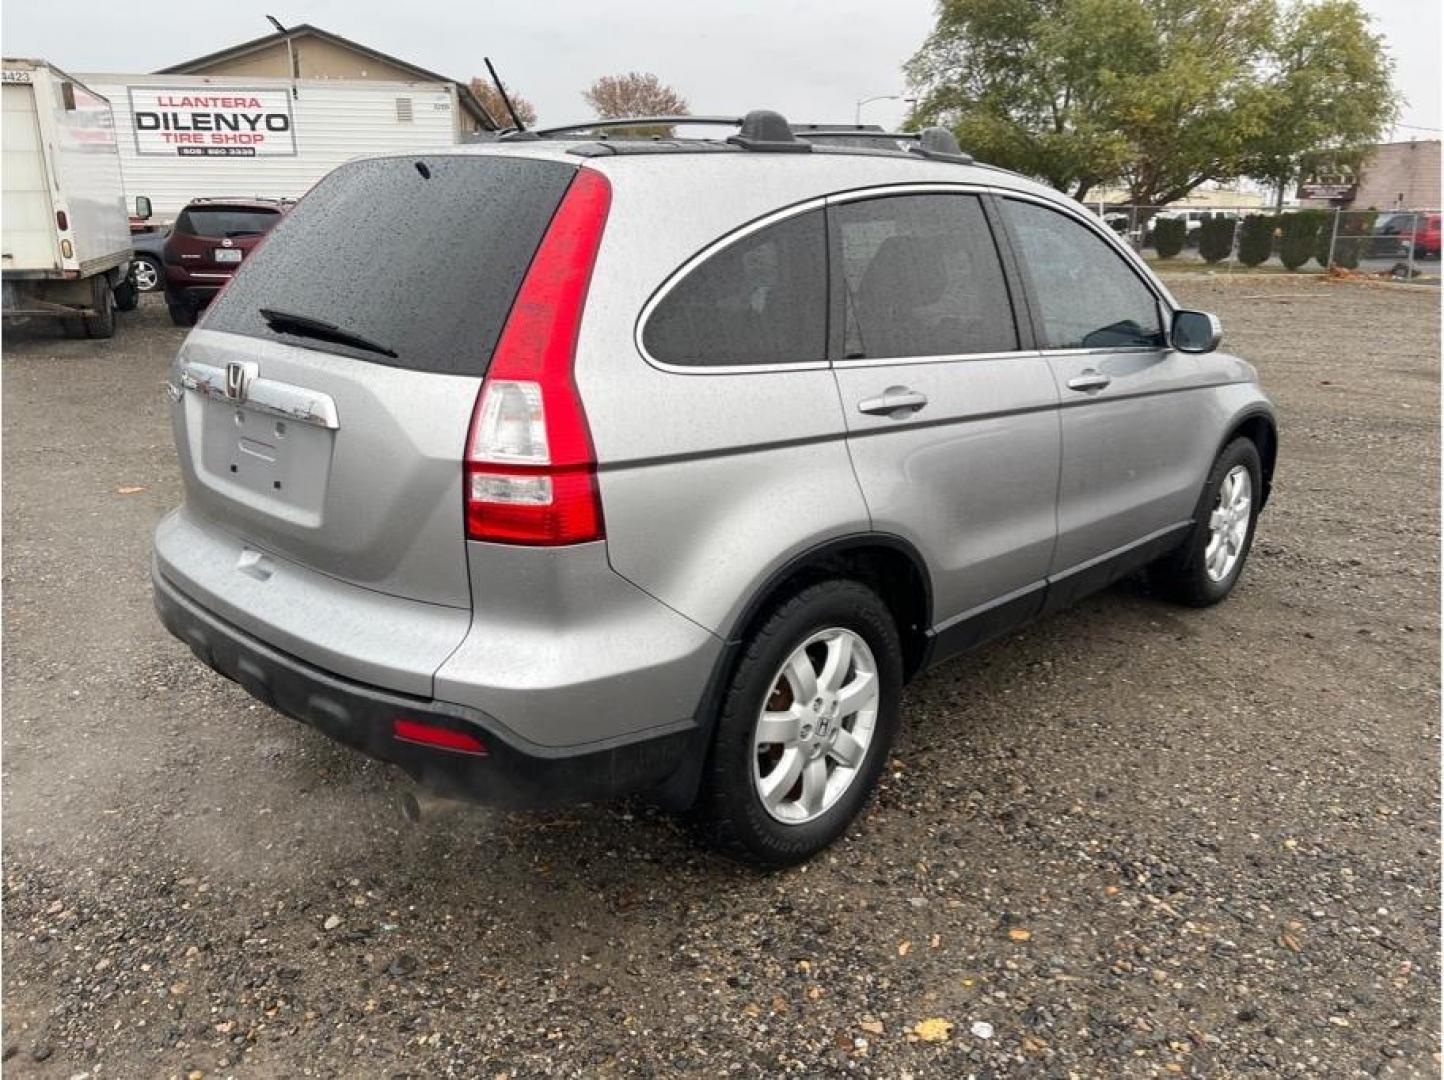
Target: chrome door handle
pixel 1089 379
pixel 895 401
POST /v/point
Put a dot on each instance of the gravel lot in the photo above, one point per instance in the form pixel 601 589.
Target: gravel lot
pixel 1133 840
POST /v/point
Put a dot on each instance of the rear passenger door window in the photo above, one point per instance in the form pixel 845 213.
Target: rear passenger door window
pixel 920 276
pixel 1083 293
pixel 761 299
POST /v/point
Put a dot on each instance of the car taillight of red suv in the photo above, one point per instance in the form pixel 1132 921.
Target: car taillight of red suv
pixel 211 238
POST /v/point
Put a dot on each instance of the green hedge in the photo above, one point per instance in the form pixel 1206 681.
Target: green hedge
pixel 1256 239
pixel 1299 237
pixel 1354 229
pixel 1169 235
pixel 1215 239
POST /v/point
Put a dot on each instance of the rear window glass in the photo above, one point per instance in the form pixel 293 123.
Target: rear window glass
pixel 759 300
pixel 225 221
pixel 921 277
pixel 422 255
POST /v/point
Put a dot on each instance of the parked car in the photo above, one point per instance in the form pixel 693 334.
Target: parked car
pixel 147 268
pixel 1422 230
pixel 1394 234
pixel 210 239
pixel 553 469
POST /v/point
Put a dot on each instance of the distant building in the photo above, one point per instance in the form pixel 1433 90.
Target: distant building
pixel 1402 175
pixel 307 52
pixel 273 115
pixel 1395 176
pixel 1204 197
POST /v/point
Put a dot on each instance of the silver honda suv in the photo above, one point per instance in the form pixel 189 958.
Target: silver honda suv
pixel 569 466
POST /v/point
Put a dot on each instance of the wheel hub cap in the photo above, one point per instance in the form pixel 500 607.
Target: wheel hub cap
pixel 1228 524
pixel 814 729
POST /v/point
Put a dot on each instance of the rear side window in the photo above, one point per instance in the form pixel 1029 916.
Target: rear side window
pixel 1085 295
pixel 422 255
pixel 222 221
pixel 759 300
pixel 921 277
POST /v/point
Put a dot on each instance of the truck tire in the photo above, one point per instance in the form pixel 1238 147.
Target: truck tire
pixel 102 323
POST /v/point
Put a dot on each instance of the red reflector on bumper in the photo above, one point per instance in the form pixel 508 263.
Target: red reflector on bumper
pixel 415 731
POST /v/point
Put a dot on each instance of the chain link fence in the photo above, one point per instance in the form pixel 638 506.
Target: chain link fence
pixel 1401 243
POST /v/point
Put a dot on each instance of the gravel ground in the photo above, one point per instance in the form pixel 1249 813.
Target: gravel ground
pixel 1133 840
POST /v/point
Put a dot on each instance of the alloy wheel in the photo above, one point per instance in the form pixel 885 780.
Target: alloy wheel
pixel 813 731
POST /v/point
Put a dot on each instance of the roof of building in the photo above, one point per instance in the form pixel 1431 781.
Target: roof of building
pixel 468 100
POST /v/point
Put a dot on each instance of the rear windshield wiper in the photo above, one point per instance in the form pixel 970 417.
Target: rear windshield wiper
pixel 285 322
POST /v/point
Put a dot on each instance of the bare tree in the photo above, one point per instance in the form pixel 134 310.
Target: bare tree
pixel 636 93
pixel 491 101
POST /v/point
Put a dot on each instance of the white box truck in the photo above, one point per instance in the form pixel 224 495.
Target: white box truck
pixel 66 249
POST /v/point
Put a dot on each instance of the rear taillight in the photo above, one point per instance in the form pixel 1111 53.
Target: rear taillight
pixel 530 470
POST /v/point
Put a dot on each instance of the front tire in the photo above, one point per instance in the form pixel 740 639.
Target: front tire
pixel 1207 566
pixel 147 273
pixel 182 314
pixel 805 725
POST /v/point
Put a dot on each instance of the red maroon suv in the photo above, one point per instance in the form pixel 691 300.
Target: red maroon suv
pixel 210 240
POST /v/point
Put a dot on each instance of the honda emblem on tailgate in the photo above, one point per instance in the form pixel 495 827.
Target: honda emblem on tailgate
pixel 238 379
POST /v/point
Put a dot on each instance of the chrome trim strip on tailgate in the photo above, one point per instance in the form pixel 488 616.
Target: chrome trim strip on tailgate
pixel 281 399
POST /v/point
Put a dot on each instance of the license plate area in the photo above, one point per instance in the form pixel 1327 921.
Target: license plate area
pixel 227 255
pixel 276 465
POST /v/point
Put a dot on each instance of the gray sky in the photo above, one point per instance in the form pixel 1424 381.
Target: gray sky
pixel 810 59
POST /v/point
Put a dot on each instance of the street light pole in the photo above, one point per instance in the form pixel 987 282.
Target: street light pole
pixel 857 111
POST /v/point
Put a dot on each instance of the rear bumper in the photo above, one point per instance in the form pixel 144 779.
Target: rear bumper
pixel 196 289
pixel 512 773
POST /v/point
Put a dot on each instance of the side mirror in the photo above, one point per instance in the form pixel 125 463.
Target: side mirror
pixel 142 207
pixel 1195 331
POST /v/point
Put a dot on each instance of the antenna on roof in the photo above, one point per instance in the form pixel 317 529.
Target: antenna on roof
pixel 277 24
pixel 495 81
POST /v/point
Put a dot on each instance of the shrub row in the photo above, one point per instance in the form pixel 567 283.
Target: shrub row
pixel 1295 237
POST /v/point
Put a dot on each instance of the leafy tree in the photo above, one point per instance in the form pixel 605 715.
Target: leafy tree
pixel 1160 94
pixel 1215 239
pixel 486 93
pixel 1329 99
pixel 635 94
pixel 1256 239
pixel 1169 236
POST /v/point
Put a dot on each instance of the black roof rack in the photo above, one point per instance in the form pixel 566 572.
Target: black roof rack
pixel 936 143
pixel 760 130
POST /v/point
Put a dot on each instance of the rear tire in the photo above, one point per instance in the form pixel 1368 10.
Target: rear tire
pixel 102 323
pixel 1207 566
pixel 182 314
pixel 827 751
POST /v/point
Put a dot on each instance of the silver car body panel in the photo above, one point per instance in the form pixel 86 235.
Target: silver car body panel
pixel 565 652
pixel 357 633
pixel 373 500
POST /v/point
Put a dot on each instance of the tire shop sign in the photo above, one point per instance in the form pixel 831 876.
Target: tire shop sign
pixel 208 121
